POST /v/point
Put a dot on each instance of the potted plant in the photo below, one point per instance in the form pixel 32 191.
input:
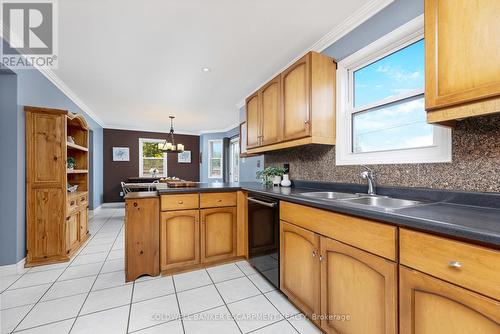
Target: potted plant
pixel 71 163
pixel 271 175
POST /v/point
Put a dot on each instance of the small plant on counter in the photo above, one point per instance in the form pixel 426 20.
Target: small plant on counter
pixel 266 175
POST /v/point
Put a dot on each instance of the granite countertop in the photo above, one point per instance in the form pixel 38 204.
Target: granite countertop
pixel 438 213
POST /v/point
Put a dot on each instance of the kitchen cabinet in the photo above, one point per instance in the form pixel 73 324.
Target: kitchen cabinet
pixel 357 285
pixel 142 235
pixel 295 108
pixel 253 121
pixel 72 231
pixel 296 96
pixel 218 233
pixel 300 267
pixel 462 59
pixel 270 112
pixel 54 216
pixel 429 305
pixel 179 239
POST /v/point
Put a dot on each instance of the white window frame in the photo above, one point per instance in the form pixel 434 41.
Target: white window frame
pixel 141 169
pixel 232 143
pixel 210 176
pixel 403 36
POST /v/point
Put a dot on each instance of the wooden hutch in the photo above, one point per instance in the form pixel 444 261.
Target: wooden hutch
pixel 56 219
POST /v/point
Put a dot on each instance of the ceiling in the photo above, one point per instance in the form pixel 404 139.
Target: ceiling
pixel 134 63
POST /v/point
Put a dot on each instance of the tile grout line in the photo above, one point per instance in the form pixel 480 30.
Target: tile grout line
pixel 100 270
pixel 51 285
pixel 178 306
pixel 130 306
pixel 225 304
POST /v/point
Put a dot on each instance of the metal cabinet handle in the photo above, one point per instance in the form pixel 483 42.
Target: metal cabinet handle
pixel 306 122
pixel 455 264
pixel 180 202
pixel 72 203
pixel 320 258
pixel 315 252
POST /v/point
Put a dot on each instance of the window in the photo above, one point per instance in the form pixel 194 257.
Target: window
pixel 151 156
pixel 381 105
pixel 215 159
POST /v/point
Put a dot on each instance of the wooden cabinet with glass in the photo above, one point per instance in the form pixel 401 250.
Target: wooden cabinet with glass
pixel 462 59
pixel 56 158
pixel 295 108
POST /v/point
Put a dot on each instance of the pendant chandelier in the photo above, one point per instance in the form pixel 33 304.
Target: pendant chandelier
pixel 169 145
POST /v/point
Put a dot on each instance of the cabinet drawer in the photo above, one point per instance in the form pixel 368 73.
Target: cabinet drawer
pixel 83 200
pixel 71 204
pixel 473 267
pixel 179 202
pixel 214 200
pixel 376 238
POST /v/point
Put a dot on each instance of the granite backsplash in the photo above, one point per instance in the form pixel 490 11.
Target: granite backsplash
pixel 475 162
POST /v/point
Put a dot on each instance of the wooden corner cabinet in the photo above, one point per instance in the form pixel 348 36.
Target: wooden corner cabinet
pixel 462 59
pixel 295 108
pixel 56 220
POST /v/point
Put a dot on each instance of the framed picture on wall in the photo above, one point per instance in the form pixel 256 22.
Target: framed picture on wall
pixel 184 157
pixel 121 154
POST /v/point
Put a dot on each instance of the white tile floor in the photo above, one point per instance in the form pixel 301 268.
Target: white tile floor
pixel 89 295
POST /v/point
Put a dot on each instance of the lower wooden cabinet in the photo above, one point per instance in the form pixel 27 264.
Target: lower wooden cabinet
pixel 72 231
pixel 218 234
pixel 84 226
pixel 429 305
pixel 358 290
pixel 300 267
pixel 179 239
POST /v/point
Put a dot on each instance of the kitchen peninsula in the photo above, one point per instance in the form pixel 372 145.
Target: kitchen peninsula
pixel 454 254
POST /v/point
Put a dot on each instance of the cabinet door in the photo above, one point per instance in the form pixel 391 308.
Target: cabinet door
pixel 270 112
pixel 84 216
pixel 295 88
pixel 253 121
pixel 300 267
pixel 180 239
pixel 429 305
pixel 462 51
pixel 72 231
pixel 218 234
pixel 358 290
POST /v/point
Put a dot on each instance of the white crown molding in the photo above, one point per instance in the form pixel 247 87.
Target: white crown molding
pixel 350 23
pixel 240 104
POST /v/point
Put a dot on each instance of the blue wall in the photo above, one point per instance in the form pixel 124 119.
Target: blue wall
pixel 17 89
pixel 388 19
pixel 248 166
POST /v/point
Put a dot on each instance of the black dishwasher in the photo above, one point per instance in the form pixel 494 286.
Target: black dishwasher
pixel 263 236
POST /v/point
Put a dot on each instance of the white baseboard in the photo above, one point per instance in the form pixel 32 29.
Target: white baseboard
pixel 13 269
pixel 113 205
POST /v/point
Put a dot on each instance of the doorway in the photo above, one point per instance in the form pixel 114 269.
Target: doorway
pixel 234 160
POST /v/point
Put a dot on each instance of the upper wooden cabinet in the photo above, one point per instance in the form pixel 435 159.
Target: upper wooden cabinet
pixel 270 112
pixel 253 121
pixel 296 99
pixel 429 305
pixel 295 108
pixel 359 285
pixel 462 58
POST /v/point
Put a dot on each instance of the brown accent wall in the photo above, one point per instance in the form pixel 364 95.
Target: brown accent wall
pixel 118 171
pixel 475 162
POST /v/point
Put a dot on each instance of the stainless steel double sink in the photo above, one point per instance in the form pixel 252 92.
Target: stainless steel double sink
pixel 363 200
